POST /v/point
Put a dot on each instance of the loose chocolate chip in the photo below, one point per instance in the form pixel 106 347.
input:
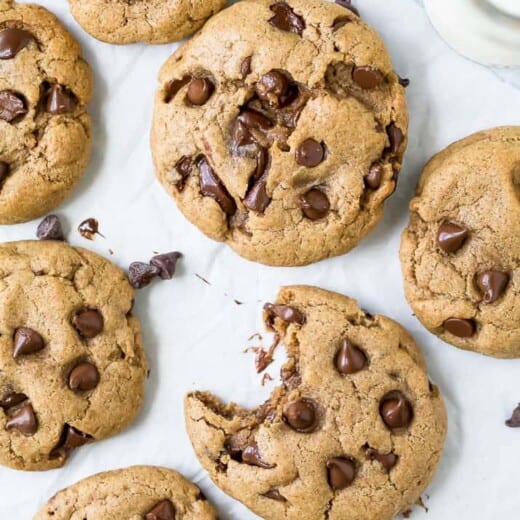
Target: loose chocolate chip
pixel 12 41
pixel 199 91
pixel 374 176
pixel 284 312
pixel 347 4
pixel 84 377
pixel 245 68
pixel 460 327
pixel 514 421
pixel 251 456
pixel 451 236
pixel 26 341
pixel 257 198
pixel 492 284
pixel 50 229
pixel 23 420
pixel 164 510
pixel 60 100
pixel 404 82
pixel 212 186
pixel 4 171
pixel 286 19
pixel 314 204
pixel 183 168
pixel 166 264
pixel 396 411
pixel 11 400
pixel 70 439
pixel 367 77
pixel 341 472
pixel 301 415
pixel 88 228
pixel 88 323
pixel 273 88
pixel 310 153
pixel 274 494
pixel 12 105
pixel 387 460
pixel 395 136
pixel 349 358
pixel 140 274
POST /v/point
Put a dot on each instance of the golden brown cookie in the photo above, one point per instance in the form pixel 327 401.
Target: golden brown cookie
pixel 355 431
pixel 280 128
pixel 72 365
pixel 460 253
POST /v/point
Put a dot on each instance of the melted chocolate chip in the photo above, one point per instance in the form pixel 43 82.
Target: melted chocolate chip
pixel 396 411
pixel 27 341
pixel 24 420
pixel 341 472
pixel 166 264
pixel 163 510
pixel 174 86
pixel 257 198
pixel 514 421
pixel 60 100
pixel 349 358
pixel 274 89
pixel 50 229
pixel 212 186
pixel 245 67
pixel 83 377
pixel 340 22
pixel 284 312
pixel 251 456
pixel 286 19
pixel 492 284
pixel 12 41
pixel 367 77
pixel 460 327
pixel 199 91
pixel 374 176
pixel 4 171
pixel 404 82
pixel 310 153
pixel 12 106
pixel 88 228
pixel 274 494
pixel 141 274
pixel 314 204
pixel 347 4
pixel 11 400
pixel 88 323
pixel 70 439
pixel 387 460
pixel 183 168
pixel 395 136
pixel 301 415
pixel 451 236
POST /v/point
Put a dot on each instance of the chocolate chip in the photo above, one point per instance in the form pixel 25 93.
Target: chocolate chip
pixel 451 236
pixel 257 198
pixel 341 472
pixel 174 86
pixel 199 91
pixel 314 204
pixel 26 341
pixel 70 439
pixel 183 168
pixel 12 105
pixel 404 82
pixel 11 400
pixel 251 456
pixel 284 312
pixel 349 358
pixel 286 19
pixel 514 421
pixel 12 41
pixel 140 274
pixel 245 68
pixel 88 323
pixel 274 494
pixel 23 420
pixel 396 411
pixel 88 228
pixel 212 186
pixel 273 88
pixel 347 4
pixel 50 229
pixel 367 77
pixel 310 153
pixel 301 415
pixel 166 264
pixel 255 120
pixel 163 510
pixel 492 284
pixel 387 460
pixel 395 136
pixel 4 171
pixel 84 377
pixel 460 327
pixel 340 22
pixel 60 100
pixel 374 176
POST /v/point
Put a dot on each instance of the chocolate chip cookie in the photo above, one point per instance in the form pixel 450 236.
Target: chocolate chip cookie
pixel 151 21
pixel 72 365
pixel 45 131
pixel 460 253
pixel 144 492
pixel 280 128
pixel 356 430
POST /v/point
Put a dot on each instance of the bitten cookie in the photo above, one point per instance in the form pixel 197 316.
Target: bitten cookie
pixel 45 131
pixel 72 365
pixel 151 21
pixel 460 253
pixel 140 492
pixel 356 430
pixel 280 128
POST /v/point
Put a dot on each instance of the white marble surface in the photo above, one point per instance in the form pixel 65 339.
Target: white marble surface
pixel 195 333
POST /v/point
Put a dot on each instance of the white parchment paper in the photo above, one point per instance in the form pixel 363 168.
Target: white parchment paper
pixel 195 333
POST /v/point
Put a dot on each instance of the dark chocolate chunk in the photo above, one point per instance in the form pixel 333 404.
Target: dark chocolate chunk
pixel 374 176
pixel 347 4
pixel 310 153
pixel 396 411
pixel 50 229
pixel 12 106
pixel 284 312
pixel 163 510
pixel 88 323
pixel 286 19
pixel 12 41
pixel 141 274
pixel 349 358
pixel 212 186
pixel 70 439
pixel 301 415
pixel 60 100
pixel 314 204
pixel 514 421
pixel 200 90
pixel 460 327
pixel 26 341
pixel 24 420
pixel 251 456
pixel 166 264
pixel 387 460
pixel 341 472
pixel 451 236
pixel 367 77
pixel 492 283
pixel 83 377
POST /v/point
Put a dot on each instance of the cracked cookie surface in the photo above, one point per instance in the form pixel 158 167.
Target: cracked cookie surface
pixel 72 365
pixel 460 253
pixel 280 128
pixel 140 492
pixel 150 21
pixel 355 431
pixel 45 131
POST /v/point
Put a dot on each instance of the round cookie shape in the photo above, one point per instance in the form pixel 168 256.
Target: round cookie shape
pixel 144 492
pixel 460 253
pixel 150 21
pixel 72 365
pixel 293 126
pixel 355 431
pixel 45 130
